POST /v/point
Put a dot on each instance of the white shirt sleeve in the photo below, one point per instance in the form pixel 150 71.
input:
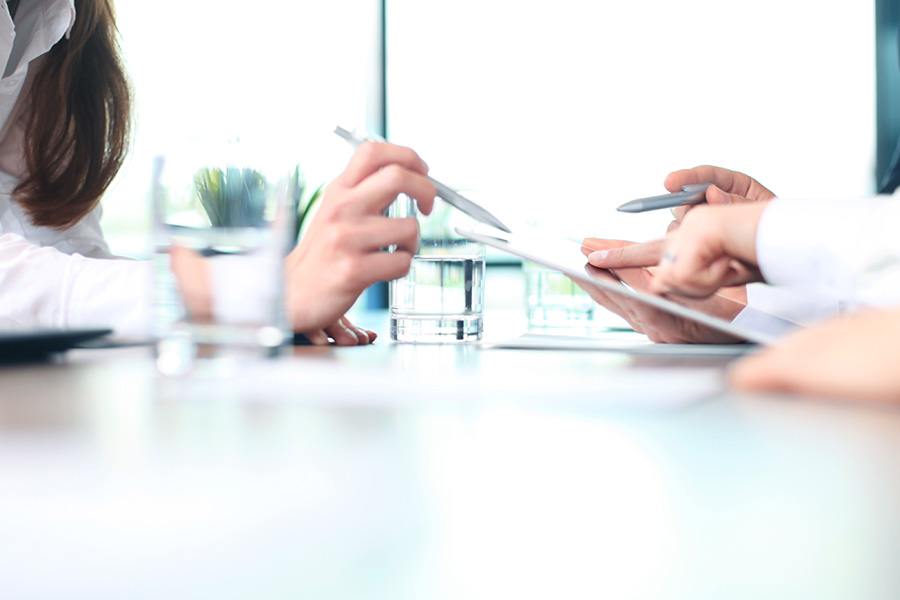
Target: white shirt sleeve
pixel 41 286
pixel 846 251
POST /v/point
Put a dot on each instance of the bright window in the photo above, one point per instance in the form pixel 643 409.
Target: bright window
pixel 558 111
pixel 562 110
pixel 281 74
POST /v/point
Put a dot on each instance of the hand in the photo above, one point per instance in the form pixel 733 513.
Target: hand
pixel 848 357
pixel 340 255
pixel 729 187
pixel 715 247
pixel 658 325
pixel 193 273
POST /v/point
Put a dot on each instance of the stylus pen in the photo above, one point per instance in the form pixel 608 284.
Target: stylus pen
pixel 450 196
pixel 689 194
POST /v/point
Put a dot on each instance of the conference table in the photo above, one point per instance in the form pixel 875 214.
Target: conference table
pixel 425 471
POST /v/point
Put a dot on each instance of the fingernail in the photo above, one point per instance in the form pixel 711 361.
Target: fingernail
pixel 598 256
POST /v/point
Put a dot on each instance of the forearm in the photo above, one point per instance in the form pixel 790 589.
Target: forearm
pixel 45 287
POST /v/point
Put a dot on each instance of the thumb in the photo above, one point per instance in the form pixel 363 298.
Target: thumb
pixel 716 195
pixel 759 373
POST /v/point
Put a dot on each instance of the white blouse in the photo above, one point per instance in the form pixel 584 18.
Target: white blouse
pixel 48 277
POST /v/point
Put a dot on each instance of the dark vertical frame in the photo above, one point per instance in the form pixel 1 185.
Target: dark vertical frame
pixel 887 84
pixel 377 296
pixel 376 100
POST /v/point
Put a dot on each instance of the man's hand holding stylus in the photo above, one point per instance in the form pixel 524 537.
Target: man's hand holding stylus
pixel 729 187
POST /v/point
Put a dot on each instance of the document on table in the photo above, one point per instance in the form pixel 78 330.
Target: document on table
pixel 630 342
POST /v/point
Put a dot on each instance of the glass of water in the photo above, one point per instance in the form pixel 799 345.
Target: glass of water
pixel 441 300
pixel 223 222
pixel 553 300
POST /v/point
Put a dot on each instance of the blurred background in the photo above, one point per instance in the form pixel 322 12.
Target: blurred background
pixel 556 112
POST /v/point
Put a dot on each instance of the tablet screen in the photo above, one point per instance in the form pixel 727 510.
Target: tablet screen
pixel 565 255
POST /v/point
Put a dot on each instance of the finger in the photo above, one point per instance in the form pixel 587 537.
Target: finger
pixel 362 338
pixel 680 212
pixel 731 182
pixel 620 304
pixel 317 338
pixel 364 335
pixel 761 373
pixel 589 245
pixel 673 226
pixel 374 156
pixel 715 195
pixel 342 335
pixel 361 333
pixel 636 255
pixel 385 266
pixel 700 265
pixel 723 178
pixel 660 327
pixel 375 193
pixel 637 278
pixel 380 232
pixel 690 276
pixel 610 302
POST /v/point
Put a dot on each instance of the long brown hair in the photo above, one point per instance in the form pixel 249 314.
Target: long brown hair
pixel 79 130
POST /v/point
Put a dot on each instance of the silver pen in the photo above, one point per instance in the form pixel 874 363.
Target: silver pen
pixel 448 194
pixel 689 194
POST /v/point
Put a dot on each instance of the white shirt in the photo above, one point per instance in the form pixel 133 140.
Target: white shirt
pixel 47 277
pixel 846 252
pixel 823 257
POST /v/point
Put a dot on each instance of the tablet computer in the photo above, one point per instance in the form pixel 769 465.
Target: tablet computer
pixel 29 344
pixel 564 255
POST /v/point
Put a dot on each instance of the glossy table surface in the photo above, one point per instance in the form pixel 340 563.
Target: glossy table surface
pixel 400 471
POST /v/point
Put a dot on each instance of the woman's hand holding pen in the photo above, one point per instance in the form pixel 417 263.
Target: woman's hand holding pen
pixel 340 256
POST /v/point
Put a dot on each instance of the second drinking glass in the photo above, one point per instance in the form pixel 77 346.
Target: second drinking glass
pixel 441 300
